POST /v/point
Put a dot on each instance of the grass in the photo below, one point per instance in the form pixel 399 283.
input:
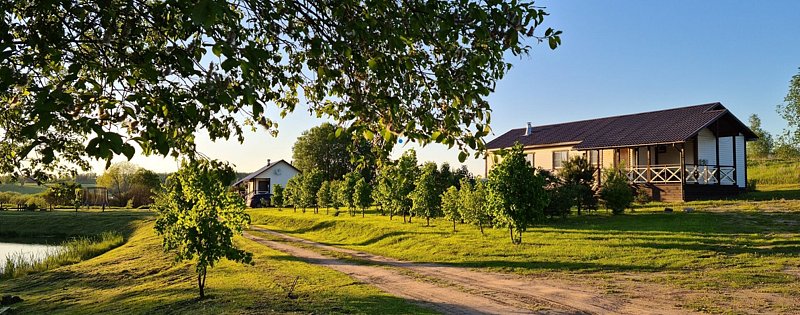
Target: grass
pixel 773 172
pixel 702 251
pixel 139 278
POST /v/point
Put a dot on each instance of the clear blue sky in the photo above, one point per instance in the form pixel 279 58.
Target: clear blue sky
pixel 617 57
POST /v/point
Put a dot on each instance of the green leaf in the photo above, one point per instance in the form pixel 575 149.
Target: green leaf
pixel 462 156
pixel 368 134
pixel 217 49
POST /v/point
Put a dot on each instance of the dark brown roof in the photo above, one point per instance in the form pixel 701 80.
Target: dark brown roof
pixel 663 126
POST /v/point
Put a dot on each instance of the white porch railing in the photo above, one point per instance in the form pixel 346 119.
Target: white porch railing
pixel 671 173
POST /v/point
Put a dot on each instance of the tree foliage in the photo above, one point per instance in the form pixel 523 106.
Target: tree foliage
pixel 473 204
pixel 311 181
pixel 403 177
pixel 362 195
pixel 763 146
pixel 426 196
pixel 199 216
pixel 616 192
pixel 277 197
pixel 347 188
pixel 515 193
pixel 790 110
pixel 578 178
pixel 118 74
pixel 294 191
pixel 452 204
pixel 324 195
pixel 118 179
pixel 333 153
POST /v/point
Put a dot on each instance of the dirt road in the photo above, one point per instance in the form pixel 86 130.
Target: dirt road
pixel 457 290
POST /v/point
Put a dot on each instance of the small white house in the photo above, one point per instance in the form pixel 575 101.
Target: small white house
pixel 259 184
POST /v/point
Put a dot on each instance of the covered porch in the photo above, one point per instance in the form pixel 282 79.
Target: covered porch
pixel 710 164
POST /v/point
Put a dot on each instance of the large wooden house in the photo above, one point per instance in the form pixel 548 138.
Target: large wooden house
pixel 679 154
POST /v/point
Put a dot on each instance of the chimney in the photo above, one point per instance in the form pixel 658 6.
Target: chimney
pixel 268 162
pixel 529 129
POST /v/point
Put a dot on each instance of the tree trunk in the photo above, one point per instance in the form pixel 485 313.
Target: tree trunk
pixel 511 233
pixel 480 226
pixel 404 217
pixel 362 212
pixel 454 225
pixel 201 282
pixel 429 221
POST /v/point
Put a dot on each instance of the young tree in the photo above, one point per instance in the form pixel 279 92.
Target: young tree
pixel 382 193
pixel 403 178
pixel 362 197
pixel 118 179
pixel 312 180
pixel 463 173
pixel 790 111
pixel 293 191
pixel 143 185
pixel 578 175
pixel 763 146
pixel 561 195
pixel 515 193
pixel 347 190
pixel 336 202
pixel 152 60
pixel 452 205
pixel 199 216
pixel 324 196
pixel 473 204
pixel 425 197
pixel 616 192
pixel 277 196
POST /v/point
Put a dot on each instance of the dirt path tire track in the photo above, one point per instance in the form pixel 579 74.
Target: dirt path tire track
pixel 480 292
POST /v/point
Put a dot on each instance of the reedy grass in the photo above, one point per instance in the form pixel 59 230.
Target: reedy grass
pixel 774 171
pixel 69 252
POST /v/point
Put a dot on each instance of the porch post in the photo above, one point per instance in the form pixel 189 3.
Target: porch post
pixel 648 164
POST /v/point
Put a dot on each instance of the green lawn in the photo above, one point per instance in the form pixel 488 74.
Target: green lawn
pixel 707 251
pixel 138 277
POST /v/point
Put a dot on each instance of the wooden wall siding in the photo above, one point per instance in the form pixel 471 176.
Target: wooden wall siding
pixel 741 162
pixel 707 146
pixel 669 192
pixel 709 192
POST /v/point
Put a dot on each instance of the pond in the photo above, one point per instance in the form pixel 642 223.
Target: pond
pixel 31 252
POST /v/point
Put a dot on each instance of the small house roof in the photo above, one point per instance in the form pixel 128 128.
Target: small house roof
pixel 656 127
pixel 262 170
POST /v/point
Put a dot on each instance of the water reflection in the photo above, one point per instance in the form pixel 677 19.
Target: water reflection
pixel 31 252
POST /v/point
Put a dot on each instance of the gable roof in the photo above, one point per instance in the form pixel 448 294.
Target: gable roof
pixel 657 127
pixel 262 170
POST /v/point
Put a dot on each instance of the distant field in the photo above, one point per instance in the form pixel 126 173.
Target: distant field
pixel 773 172
pixel 23 189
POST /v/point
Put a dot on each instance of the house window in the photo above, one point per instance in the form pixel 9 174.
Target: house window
pixel 559 157
pixel 594 157
pixel 530 158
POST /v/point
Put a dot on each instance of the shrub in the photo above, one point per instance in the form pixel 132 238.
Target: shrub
pixel 616 193
pixel 642 197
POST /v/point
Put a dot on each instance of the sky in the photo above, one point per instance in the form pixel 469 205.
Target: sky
pixel 617 57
